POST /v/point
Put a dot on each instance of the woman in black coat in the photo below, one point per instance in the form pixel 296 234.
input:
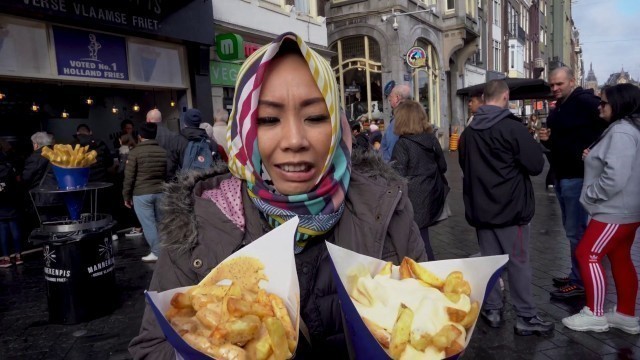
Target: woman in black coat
pixel 418 157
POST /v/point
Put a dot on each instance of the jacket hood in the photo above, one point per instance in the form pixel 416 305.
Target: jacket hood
pixel 489 115
pixel 194 133
pixel 578 92
pixel 424 140
pixel 179 231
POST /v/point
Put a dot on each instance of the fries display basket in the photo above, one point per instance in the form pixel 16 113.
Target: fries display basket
pixel 71 178
pixel 78 257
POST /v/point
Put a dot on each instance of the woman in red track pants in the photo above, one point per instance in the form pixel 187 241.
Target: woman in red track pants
pixel 611 195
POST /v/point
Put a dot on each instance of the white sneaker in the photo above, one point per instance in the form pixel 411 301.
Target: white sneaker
pixel 133 233
pixel 586 321
pixel 626 323
pixel 150 258
pixel 114 237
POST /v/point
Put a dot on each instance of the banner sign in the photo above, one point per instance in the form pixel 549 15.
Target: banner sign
pixel 90 54
pixel 224 73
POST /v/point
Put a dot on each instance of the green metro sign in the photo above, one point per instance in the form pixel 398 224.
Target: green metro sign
pixel 229 47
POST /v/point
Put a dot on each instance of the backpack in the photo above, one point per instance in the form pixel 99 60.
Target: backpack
pixel 197 156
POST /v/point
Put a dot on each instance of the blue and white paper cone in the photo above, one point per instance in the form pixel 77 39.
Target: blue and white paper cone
pixel 481 272
pixel 275 251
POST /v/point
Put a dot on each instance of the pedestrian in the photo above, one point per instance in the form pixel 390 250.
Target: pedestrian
pixel 126 128
pixel 418 157
pixel 144 175
pixel 9 213
pixel 475 101
pixel 221 118
pixel 572 126
pixel 104 161
pixel 127 142
pixel 360 139
pixel 290 156
pixel 37 173
pixel 375 137
pixel 168 140
pixel 497 156
pixel 398 94
pixel 611 196
pixel 196 150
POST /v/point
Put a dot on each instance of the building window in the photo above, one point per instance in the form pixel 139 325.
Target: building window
pixel 451 5
pixel 426 83
pixel 496 12
pixel 497 56
pixel 358 71
pixel 471 8
pixel 307 7
pixel 512 56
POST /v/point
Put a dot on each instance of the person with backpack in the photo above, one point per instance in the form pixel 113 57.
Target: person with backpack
pixel 196 150
pixel 144 175
pixel 9 199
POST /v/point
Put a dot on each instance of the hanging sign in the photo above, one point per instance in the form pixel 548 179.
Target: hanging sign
pixel 90 54
pixel 416 57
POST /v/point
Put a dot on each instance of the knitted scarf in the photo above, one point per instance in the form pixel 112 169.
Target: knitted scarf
pixel 321 208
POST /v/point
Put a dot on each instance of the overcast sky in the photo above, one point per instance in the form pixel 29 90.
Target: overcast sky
pixel 610 36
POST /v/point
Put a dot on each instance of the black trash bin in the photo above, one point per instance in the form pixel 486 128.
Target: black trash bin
pixel 79 266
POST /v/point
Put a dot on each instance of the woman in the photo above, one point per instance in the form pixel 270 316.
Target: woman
pixel 9 200
pixel 289 155
pixel 611 195
pixel 418 157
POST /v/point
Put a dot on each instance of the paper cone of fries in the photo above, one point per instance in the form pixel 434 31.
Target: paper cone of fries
pixel 275 252
pixel 411 318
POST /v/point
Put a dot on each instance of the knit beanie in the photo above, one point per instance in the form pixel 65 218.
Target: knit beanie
pixel 192 118
pixel 148 131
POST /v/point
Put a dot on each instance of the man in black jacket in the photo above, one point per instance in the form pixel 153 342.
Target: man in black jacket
pixel 573 125
pixel 104 161
pixel 168 140
pixel 497 156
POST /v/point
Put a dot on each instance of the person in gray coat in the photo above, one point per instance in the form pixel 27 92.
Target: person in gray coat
pixel 363 205
pixel 611 196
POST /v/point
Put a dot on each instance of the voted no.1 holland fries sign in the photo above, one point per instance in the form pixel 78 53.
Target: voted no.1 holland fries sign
pixel 393 304
pixel 275 251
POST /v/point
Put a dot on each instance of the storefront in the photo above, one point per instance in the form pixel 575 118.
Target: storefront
pixel 66 62
pixel 358 65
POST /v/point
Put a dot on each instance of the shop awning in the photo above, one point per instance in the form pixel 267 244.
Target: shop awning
pixel 519 89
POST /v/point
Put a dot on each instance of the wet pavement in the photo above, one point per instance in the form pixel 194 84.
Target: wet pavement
pixel 25 332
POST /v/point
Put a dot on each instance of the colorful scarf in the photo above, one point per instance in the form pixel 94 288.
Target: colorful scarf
pixel 320 209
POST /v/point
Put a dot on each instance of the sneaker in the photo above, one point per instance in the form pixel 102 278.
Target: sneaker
pixel 561 281
pixel 533 325
pixel 492 317
pixel 114 237
pixel 586 321
pixel 150 258
pixel 626 323
pixel 567 292
pixel 18 259
pixel 134 233
pixel 5 262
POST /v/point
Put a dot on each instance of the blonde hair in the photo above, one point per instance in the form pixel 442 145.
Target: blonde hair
pixel 411 119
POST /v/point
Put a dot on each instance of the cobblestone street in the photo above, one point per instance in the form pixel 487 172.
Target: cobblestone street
pixel 26 334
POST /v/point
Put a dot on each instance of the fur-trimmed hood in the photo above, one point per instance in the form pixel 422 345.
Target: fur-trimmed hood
pixel 178 229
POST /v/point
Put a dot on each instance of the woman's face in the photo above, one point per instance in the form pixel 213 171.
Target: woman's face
pixel 294 126
pixel 605 108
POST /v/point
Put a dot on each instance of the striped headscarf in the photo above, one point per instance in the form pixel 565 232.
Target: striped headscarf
pixel 321 208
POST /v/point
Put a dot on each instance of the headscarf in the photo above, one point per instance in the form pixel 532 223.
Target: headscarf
pixel 321 208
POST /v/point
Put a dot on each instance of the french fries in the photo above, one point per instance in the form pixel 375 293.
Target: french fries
pixel 70 157
pixel 237 321
pixel 413 313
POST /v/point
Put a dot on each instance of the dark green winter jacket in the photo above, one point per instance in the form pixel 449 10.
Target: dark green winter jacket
pixel 145 171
